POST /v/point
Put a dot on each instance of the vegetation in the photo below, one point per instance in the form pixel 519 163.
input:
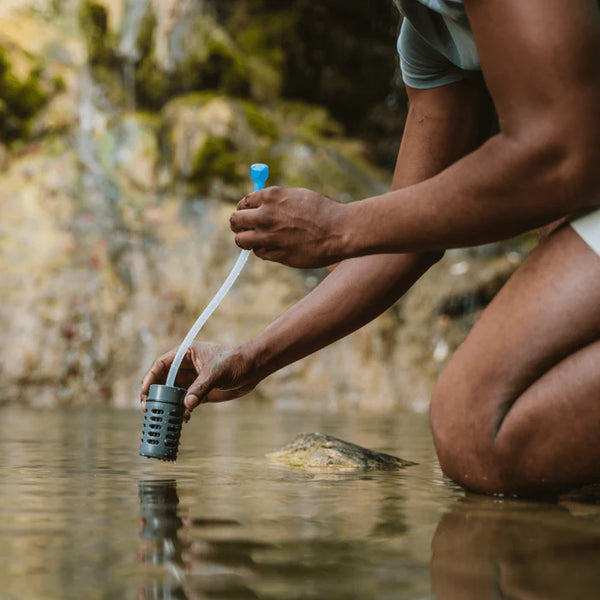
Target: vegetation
pixel 215 158
pixel 93 20
pixel 19 100
pixel 333 54
pixel 258 121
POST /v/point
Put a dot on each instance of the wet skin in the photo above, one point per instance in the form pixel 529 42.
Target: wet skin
pixel 518 408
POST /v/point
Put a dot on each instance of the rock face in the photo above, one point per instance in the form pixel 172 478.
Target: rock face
pixel 127 128
pixel 319 451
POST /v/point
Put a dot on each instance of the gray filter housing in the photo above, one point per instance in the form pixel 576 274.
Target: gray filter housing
pixel 162 422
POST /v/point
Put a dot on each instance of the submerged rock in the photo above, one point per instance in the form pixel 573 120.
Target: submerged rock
pixel 318 451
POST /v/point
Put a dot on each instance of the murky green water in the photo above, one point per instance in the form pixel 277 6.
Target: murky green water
pixel 83 517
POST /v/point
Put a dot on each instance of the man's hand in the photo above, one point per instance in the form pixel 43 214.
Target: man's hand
pixel 209 372
pixel 293 226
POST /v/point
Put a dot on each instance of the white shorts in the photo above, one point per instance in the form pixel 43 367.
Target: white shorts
pixel 587 225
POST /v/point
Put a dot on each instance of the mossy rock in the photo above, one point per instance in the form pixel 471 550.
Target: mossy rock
pixel 216 65
pixel 224 69
pixel 130 150
pixel 319 451
pixel 208 60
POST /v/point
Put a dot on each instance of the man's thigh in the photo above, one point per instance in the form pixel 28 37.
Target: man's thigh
pixel 523 390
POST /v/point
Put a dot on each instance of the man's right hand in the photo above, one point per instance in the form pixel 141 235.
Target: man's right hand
pixel 209 372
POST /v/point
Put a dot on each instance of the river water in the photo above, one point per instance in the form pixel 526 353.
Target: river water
pixel 82 516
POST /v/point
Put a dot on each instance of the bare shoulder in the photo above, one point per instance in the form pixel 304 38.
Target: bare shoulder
pixel 538 52
pixel 541 63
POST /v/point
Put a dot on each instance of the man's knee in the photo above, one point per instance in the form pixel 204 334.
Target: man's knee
pixel 455 447
pixel 464 413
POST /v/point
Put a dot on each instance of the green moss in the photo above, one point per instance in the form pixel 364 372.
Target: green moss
pixel 146 33
pixel 111 83
pixel 307 121
pixel 11 128
pixel 228 68
pixel 20 100
pixel 93 20
pixel 10 87
pixel 31 99
pixel 216 158
pixel 263 34
pixel 152 85
pixel 195 98
pixel 58 83
pixel 218 66
pixel 257 120
pixel 189 75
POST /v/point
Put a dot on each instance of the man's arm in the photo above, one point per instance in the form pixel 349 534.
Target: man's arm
pixel 540 62
pixel 443 124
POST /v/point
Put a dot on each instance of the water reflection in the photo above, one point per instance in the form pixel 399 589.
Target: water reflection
pixel 192 568
pixel 204 557
pixel 160 521
pixel 519 550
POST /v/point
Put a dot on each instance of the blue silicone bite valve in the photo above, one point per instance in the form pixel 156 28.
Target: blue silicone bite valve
pixel 259 173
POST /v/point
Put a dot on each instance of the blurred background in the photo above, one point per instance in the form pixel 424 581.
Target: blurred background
pixel 127 128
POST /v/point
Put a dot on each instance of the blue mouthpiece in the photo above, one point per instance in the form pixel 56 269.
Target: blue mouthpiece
pixel 259 174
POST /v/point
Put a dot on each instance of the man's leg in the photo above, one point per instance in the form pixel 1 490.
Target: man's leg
pixel 517 410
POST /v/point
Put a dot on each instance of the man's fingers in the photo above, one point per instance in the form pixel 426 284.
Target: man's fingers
pixel 272 255
pixel 156 373
pixel 196 396
pixel 249 240
pixel 253 218
pixel 216 395
pixel 249 201
pixel 259 197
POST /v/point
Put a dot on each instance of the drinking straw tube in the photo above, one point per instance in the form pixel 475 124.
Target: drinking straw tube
pixel 259 173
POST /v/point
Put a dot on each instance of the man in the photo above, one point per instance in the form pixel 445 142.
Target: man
pixel 517 410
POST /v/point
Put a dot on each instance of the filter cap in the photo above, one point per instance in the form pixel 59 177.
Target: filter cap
pixel 166 393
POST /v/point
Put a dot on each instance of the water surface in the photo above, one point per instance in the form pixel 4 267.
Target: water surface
pixel 82 516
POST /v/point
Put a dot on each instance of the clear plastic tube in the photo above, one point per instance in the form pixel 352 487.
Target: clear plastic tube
pixel 212 305
pixel 259 173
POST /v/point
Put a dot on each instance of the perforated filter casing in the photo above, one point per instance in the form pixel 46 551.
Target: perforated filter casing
pixel 162 422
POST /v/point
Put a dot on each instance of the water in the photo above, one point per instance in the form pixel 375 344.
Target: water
pixel 84 517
